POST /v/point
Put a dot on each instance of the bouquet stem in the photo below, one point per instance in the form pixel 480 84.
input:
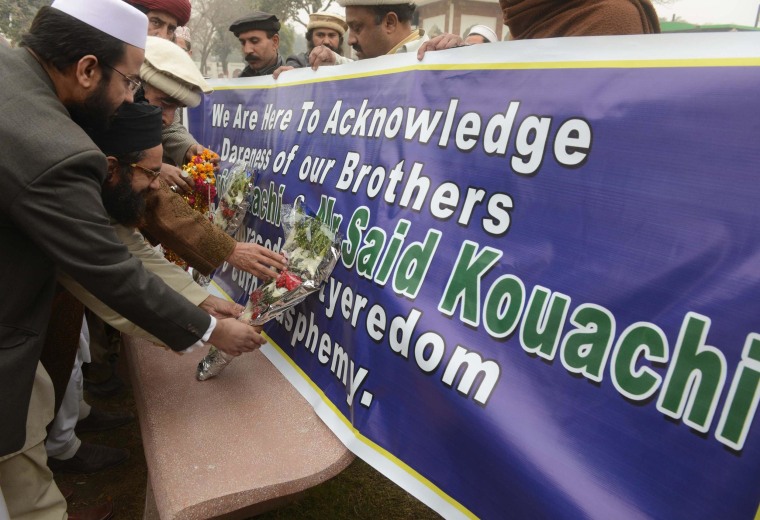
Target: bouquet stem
pixel 213 364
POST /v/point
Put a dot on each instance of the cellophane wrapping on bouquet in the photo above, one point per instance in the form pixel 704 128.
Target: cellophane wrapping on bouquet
pixel 213 363
pixel 312 250
pixel 235 191
pixel 234 198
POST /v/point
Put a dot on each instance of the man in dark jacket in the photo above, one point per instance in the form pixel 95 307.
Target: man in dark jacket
pixel 75 68
pixel 259 37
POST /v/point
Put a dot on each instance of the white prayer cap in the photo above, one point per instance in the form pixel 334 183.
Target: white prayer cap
pixel 182 32
pixel 485 32
pixel 113 17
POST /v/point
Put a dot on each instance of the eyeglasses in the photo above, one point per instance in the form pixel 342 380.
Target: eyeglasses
pixel 153 174
pixel 134 85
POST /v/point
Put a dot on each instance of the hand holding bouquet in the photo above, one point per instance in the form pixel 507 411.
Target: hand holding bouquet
pixel 312 249
pixel 235 186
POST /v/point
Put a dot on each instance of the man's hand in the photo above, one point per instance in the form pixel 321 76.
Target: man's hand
pixel 220 308
pixel 322 56
pixel 235 337
pixel 439 43
pixel 257 260
pixel 197 149
pixel 173 176
pixel 281 69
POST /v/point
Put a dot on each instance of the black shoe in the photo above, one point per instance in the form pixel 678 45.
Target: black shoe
pixel 89 458
pixel 108 388
pixel 101 420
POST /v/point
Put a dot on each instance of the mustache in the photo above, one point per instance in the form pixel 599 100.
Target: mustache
pixel 357 48
pixel 251 57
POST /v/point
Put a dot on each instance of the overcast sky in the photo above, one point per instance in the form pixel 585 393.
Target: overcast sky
pixel 740 12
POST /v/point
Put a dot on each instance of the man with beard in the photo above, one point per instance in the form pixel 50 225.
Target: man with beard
pixel 133 150
pixel 325 29
pixel 132 145
pixel 78 62
pixel 375 28
pixel 164 18
pixel 259 38
pixel 171 81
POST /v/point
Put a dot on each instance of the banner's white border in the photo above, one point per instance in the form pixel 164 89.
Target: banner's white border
pixel 380 459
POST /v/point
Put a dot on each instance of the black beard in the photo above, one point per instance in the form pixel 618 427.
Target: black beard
pixel 95 114
pixel 310 47
pixel 124 205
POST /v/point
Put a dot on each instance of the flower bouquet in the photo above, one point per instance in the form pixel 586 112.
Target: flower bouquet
pixel 312 249
pixel 201 170
pixel 234 198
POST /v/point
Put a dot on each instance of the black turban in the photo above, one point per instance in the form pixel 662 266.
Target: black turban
pixel 257 21
pixel 134 128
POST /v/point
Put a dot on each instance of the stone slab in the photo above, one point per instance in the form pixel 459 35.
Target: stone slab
pixel 236 445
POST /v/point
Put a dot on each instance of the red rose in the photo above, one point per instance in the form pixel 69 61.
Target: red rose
pixel 288 280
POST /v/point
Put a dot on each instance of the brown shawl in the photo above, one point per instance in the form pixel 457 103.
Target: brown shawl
pixel 529 19
pixel 171 221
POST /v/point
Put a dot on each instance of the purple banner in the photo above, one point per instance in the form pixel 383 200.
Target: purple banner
pixel 547 304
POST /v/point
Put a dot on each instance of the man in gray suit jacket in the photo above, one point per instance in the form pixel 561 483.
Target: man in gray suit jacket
pixel 77 65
